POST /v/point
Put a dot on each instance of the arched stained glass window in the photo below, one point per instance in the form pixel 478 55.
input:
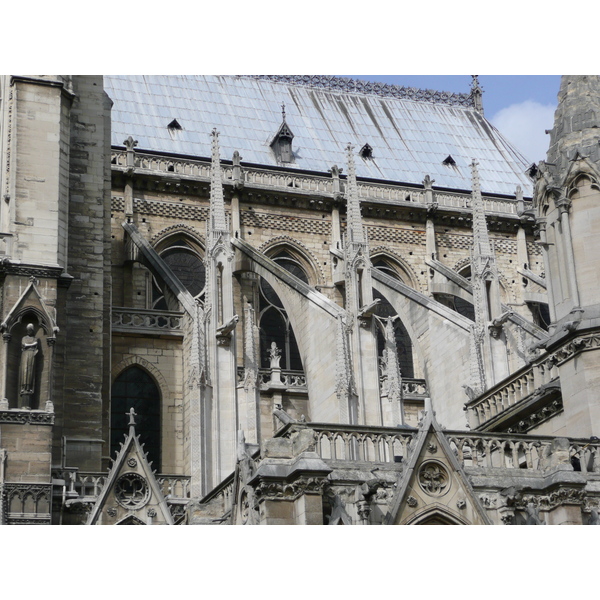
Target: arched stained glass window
pixel 134 388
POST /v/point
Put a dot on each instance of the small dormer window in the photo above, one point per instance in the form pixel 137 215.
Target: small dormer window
pixel 449 161
pixel 285 149
pixel 174 124
pixel 282 142
pixel 366 152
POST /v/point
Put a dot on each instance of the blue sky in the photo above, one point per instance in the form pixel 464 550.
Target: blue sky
pixel 520 106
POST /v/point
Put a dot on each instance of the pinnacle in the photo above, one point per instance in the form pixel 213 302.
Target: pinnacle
pixel 577 119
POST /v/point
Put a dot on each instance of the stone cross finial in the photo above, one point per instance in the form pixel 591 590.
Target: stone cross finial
pixel 131 413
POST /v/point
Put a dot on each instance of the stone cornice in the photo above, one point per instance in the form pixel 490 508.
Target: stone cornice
pixel 32 417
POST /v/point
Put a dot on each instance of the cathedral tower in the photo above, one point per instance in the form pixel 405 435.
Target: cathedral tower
pixel 567 203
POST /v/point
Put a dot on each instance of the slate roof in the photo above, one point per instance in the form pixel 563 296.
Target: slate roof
pixel 410 138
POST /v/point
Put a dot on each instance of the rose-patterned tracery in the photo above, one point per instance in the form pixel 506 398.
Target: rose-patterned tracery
pixel 131 490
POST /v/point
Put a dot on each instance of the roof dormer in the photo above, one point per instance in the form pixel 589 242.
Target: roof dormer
pixel 282 141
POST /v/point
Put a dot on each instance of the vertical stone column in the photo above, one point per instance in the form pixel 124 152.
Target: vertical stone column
pixel 541 226
pixel 564 205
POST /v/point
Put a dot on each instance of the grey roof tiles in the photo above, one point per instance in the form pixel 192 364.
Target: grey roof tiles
pixel 410 138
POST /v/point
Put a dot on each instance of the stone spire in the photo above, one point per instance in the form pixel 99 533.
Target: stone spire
pixel 576 121
pixel 217 219
pixel 477 94
pixel 481 239
pixel 356 232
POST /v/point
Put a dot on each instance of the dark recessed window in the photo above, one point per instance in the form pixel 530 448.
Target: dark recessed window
pixel 174 124
pixel 449 161
pixel 274 323
pixel 134 388
pixel 366 152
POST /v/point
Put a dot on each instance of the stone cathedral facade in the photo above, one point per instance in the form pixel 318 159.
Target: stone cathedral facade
pixel 294 300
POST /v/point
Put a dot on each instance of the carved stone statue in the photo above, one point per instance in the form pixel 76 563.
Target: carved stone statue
pixel 29 350
pixel 274 356
pixel 532 515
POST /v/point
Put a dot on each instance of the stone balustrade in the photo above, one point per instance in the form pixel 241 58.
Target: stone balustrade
pixel 88 485
pixel 174 487
pixel 360 443
pixel 504 451
pixel 310 184
pixel 412 389
pixel 290 379
pixel 158 322
pixel 512 391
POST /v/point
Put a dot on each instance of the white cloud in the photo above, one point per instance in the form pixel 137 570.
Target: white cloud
pixel 524 125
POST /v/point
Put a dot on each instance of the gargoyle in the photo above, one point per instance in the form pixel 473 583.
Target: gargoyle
pixel 470 392
pixel 228 327
pixel 368 311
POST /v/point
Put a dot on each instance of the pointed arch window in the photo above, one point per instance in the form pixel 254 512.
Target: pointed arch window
pixel 274 323
pixel 135 388
pixel 187 265
pixel 403 341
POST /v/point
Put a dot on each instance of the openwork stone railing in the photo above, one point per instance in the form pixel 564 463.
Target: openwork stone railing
pixel 174 486
pixel 412 389
pixel 290 379
pixel 304 183
pixel 158 322
pixel 361 443
pixel 310 184
pixel 512 391
pixel 89 485
pixel 502 451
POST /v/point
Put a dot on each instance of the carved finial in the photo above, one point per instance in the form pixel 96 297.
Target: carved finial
pixel 477 94
pixel 130 144
pixel 131 413
pixel 283 110
pixel 428 182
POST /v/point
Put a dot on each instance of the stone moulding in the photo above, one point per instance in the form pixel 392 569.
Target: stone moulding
pixel 33 417
pixel 281 490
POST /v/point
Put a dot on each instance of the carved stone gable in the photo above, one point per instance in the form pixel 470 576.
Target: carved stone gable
pixel 131 495
pixel 433 487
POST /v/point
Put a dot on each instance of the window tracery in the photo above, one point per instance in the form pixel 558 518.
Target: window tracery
pixel 188 267
pixel 274 322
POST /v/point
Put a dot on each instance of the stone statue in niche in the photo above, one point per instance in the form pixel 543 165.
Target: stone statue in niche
pixel 29 350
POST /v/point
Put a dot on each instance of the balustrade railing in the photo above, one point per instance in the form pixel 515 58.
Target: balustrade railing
pixel 174 486
pixel 149 321
pixel 510 392
pixel 501 451
pixel 291 379
pixel 388 193
pixel 89 485
pixel 412 389
pixel 360 443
